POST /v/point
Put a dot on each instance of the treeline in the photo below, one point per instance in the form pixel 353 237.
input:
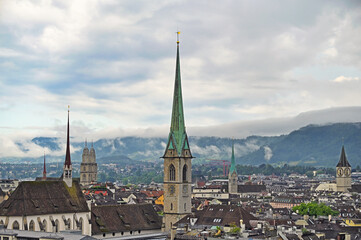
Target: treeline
pixel 268 169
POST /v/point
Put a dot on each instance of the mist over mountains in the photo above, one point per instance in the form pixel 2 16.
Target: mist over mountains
pixel 316 145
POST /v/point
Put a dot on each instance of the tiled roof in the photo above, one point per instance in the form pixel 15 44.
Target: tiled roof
pixel 44 197
pixel 124 218
pixel 251 188
pixel 220 215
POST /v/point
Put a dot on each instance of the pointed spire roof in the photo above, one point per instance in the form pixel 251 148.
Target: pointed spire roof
pixel 233 161
pixel 67 154
pixel 177 127
pixel 343 160
pixel 44 169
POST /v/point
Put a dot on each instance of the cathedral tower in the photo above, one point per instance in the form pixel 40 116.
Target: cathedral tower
pixel 68 167
pixel 343 173
pixel 177 161
pixel 232 175
pixel 88 166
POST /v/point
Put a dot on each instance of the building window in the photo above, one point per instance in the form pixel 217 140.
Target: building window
pixel 185 168
pixel 56 226
pixel 171 172
pixel 16 225
pixel 185 207
pixel 171 206
pixel 81 224
pixel 44 225
pixel 31 226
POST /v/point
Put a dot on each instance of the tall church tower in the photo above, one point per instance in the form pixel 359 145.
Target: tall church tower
pixel 343 173
pixel 177 161
pixel 232 175
pixel 88 166
pixel 68 167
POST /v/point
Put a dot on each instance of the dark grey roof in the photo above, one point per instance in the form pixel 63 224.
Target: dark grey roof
pixel 343 160
pixel 44 197
pixel 251 188
pixel 220 215
pixel 124 218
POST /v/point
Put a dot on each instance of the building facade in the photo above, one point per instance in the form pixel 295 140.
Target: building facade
pixel 177 161
pixel 343 173
pixel 88 166
pixel 48 206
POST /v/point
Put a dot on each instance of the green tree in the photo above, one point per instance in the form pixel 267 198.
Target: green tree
pixel 314 209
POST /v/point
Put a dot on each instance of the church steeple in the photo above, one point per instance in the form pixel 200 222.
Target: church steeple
pixel 343 173
pixel 67 154
pixel 177 161
pixel 233 161
pixel 68 168
pixel 44 169
pixel 177 136
pixel 232 175
pixel 343 160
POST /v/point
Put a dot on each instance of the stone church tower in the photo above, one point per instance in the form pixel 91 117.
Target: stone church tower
pixel 68 167
pixel 232 175
pixel 88 166
pixel 177 161
pixel 343 173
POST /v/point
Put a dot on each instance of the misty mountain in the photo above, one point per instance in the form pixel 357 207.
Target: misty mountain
pixel 316 145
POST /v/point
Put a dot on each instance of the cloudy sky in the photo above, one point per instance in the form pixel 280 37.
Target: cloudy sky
pixel 255 63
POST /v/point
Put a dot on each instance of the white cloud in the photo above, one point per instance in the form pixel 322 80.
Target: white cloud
pixel 267 153
pixel 113 62
pixel 345 79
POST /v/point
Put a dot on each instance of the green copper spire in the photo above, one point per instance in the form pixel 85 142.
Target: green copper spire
pixel 233 162
pixel 177 136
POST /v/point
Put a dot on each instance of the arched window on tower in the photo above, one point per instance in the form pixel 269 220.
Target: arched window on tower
pixel 185 168
pixel 171 172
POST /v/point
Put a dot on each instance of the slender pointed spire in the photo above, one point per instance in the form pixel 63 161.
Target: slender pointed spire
pixel 343 159
pixel 177 128
pixel 86 142
pixel 44 169
pixel 67 154
pixel 233 161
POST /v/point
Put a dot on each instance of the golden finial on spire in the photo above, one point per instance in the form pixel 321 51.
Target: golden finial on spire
pixel 68 108
pixel 178 37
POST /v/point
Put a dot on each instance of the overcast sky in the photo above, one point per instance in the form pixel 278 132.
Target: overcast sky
pixel 113 62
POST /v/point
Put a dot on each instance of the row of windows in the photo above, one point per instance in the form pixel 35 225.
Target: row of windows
pixel 185 207
pixel 172 173
pixel 43 225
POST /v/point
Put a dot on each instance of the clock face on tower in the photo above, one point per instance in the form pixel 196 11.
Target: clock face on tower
pixel 339 172
pixel 347 172
pixel 171 189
